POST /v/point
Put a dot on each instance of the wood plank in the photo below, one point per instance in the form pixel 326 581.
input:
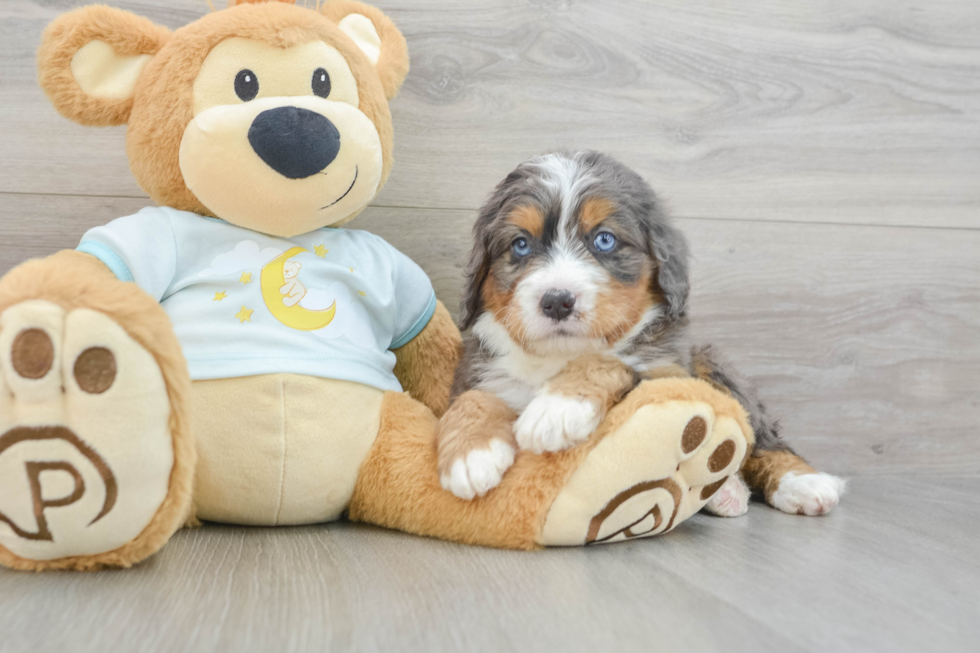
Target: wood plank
pixel 863 579
pixel 343 587
pixel 747 117
pixel 850 112
pixel 764 582
pixel 864 340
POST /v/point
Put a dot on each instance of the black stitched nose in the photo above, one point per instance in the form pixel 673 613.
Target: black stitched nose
pixel 296 143
pixel 557 304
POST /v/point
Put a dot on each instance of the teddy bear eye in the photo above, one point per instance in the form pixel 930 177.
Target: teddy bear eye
pixel 246 85
pixel 321 82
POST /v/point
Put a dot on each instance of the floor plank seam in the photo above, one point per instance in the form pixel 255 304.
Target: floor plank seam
pixel 476 209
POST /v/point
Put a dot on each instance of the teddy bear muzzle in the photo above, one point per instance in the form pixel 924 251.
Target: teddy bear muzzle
pixel 282 165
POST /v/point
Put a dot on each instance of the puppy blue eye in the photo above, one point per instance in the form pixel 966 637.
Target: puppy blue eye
pixel 521 247
pixel 605 242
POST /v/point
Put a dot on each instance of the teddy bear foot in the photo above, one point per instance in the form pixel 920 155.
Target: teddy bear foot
pixel 654 468
pixel 86 450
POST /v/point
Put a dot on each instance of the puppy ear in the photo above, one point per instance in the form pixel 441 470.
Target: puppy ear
pixel 376 36
pixel 669 248
pixel 477 270
pixel 481 256
pixel 90 59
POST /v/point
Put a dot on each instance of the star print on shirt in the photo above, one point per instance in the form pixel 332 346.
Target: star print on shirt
pixel 218 296
pixel 320 251
pixel 244 315
pixel 246 277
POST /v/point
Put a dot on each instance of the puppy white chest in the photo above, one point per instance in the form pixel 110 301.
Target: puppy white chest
pixel 516 376
pixel 511 373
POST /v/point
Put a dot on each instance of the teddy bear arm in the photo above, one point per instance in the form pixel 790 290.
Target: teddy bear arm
pixel 425 365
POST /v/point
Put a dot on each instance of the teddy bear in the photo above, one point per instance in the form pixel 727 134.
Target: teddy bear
pixel 173 368
pixel 293 290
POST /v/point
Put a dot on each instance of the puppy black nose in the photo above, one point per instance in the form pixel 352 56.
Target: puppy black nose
pixel 557 304
pixel 296 143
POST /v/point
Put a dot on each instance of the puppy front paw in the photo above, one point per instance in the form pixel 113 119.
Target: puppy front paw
pixel 554 422
pixel 808 494
pixel 478 471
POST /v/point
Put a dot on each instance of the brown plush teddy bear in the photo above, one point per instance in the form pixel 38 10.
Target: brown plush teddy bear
pixel 232 355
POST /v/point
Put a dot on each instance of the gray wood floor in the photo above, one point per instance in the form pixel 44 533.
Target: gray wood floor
pixel 824 161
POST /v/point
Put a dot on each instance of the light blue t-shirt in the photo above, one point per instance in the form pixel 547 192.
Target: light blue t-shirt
pixel 331 303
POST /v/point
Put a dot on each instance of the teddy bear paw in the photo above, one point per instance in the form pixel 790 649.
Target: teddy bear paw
pixel 85 448
pixel 676 445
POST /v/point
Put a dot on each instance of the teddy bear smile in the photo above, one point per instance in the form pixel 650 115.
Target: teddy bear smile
pixel 346 192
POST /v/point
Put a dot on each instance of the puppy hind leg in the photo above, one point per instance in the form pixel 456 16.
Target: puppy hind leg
pixel 790 484
pixel 709 365
pixel 774 470
pixel 731 500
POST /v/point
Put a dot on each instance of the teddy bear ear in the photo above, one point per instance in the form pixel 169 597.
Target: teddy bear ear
pixel 376 36
pixel 90 59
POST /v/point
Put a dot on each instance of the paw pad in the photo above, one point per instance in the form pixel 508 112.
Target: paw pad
pixel 86 451
pixel 721 457
pixel 640 510
pixel 95 370
pixel 653 471
pixel 694 434
pixel 32 353
pixel 708 491
pixel 34 469
pixel 648 522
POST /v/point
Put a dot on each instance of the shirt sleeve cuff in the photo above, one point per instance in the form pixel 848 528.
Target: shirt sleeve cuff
pixel 111 260
pixel 416 328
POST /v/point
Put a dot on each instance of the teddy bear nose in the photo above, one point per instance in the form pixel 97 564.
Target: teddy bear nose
pixel 296 143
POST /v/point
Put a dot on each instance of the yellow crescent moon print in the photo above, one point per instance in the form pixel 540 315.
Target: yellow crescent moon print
pixel 295 317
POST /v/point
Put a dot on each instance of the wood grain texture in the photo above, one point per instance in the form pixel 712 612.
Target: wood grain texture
pixel 893 570
pixel 776 110
pixel 823 160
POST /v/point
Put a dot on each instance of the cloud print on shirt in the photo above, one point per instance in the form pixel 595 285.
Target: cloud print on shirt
pixel 245 256
pixel 351 320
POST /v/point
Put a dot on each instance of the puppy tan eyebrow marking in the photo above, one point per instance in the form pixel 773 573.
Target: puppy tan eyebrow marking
pixel 594 210
pixel 529 219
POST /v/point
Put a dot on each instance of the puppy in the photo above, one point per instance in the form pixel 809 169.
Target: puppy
pixel 576 289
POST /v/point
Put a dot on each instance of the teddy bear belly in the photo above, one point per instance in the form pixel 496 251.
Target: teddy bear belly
pixel 280 448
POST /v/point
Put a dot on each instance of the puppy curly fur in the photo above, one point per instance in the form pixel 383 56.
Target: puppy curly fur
pixel 628 304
